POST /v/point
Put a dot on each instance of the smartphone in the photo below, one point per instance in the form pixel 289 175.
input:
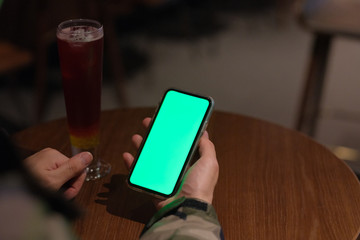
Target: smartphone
pixel 166 150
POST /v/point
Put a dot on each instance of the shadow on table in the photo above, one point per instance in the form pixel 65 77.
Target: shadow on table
pixel 124 202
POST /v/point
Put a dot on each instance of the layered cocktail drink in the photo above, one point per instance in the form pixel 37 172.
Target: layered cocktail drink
pixel 80 46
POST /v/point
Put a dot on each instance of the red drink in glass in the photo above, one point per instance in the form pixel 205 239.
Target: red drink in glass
pixel 80 46
pixel 81 68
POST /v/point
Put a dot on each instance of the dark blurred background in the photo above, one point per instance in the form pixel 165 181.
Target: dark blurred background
pixel 251 56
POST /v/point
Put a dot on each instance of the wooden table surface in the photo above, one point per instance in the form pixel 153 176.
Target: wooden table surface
pixel 274 183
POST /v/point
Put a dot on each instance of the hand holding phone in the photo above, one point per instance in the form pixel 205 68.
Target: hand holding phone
pixel 172 138
pixel 200 179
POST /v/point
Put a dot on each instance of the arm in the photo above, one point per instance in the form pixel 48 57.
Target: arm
pixel 189 214
pixel 184 218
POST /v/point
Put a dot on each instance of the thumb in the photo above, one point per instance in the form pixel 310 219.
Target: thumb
pixel 74 166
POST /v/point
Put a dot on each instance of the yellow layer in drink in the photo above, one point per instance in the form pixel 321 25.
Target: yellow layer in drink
pixel 88 142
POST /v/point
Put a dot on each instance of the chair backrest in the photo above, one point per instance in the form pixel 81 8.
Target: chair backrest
pixel 336 17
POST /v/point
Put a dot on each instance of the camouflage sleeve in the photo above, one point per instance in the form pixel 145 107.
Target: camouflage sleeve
pixel 184 219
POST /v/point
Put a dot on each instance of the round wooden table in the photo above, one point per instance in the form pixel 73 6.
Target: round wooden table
pixel 274 183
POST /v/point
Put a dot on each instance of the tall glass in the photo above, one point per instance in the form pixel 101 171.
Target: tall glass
pixel 80 46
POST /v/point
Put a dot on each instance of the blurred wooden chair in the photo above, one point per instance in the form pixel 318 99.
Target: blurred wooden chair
pixel 48 14
pixel 326 20
pixel 34 26
pixel 14 59
pixel 27 31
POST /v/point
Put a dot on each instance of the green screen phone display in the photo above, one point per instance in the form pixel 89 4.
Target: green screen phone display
pixel 171 139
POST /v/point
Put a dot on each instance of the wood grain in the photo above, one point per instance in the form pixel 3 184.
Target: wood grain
pixel 274 183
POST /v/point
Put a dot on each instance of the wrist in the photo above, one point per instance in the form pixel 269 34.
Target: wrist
pixel 201 197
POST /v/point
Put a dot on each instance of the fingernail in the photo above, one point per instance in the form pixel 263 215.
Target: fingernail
pixel 86 157
pixel 206 134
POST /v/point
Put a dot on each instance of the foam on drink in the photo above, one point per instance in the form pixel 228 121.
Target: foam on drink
pixel 80 34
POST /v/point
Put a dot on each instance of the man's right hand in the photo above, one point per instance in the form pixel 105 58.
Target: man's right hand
pixel 200 179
